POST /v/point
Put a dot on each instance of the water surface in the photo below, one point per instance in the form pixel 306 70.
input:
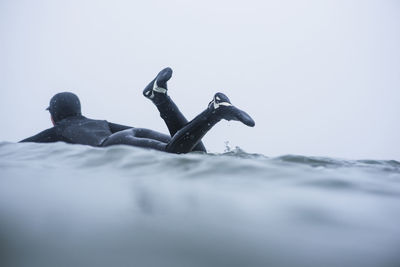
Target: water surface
pixel 72 205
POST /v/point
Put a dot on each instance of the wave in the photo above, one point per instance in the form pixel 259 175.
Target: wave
pixel 73 205
pixel 85 156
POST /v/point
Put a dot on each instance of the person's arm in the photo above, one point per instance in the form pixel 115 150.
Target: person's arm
pixel 47 136
pixel 118 127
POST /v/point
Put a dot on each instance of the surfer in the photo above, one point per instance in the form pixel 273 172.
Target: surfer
pixel 71 126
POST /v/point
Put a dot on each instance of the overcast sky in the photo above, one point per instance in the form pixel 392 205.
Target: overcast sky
pixel 320 78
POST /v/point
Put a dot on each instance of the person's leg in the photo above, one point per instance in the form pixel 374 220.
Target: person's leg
pixel 156 91
pixel 190 135
pixel 150 134
pixel 139 137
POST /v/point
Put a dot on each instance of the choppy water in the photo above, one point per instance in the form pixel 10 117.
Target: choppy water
pixel 72 205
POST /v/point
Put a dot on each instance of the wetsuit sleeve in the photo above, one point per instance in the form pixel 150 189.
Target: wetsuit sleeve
pixel 117 127
pixel 47 136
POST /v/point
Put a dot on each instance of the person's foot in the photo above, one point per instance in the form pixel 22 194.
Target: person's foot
pixel 222 106
pixel 157 88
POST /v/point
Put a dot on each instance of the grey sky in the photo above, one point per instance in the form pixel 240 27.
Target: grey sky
pixel 319 77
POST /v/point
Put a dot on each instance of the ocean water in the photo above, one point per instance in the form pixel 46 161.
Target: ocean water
pixel 72 205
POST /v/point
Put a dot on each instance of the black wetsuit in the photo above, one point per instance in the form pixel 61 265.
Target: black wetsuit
pixel 81 130
pixel 78 130
pixel 72 127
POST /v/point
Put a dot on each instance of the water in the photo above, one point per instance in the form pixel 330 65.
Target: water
pixel 72 205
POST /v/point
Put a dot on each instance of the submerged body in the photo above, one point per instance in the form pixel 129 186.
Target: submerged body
pixel 98 133
pixel 71 126
pixel 78 130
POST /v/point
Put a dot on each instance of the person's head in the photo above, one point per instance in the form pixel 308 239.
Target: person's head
pixel 63 105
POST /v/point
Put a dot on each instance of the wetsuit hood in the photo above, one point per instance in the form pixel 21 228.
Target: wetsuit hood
pixel 63 105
